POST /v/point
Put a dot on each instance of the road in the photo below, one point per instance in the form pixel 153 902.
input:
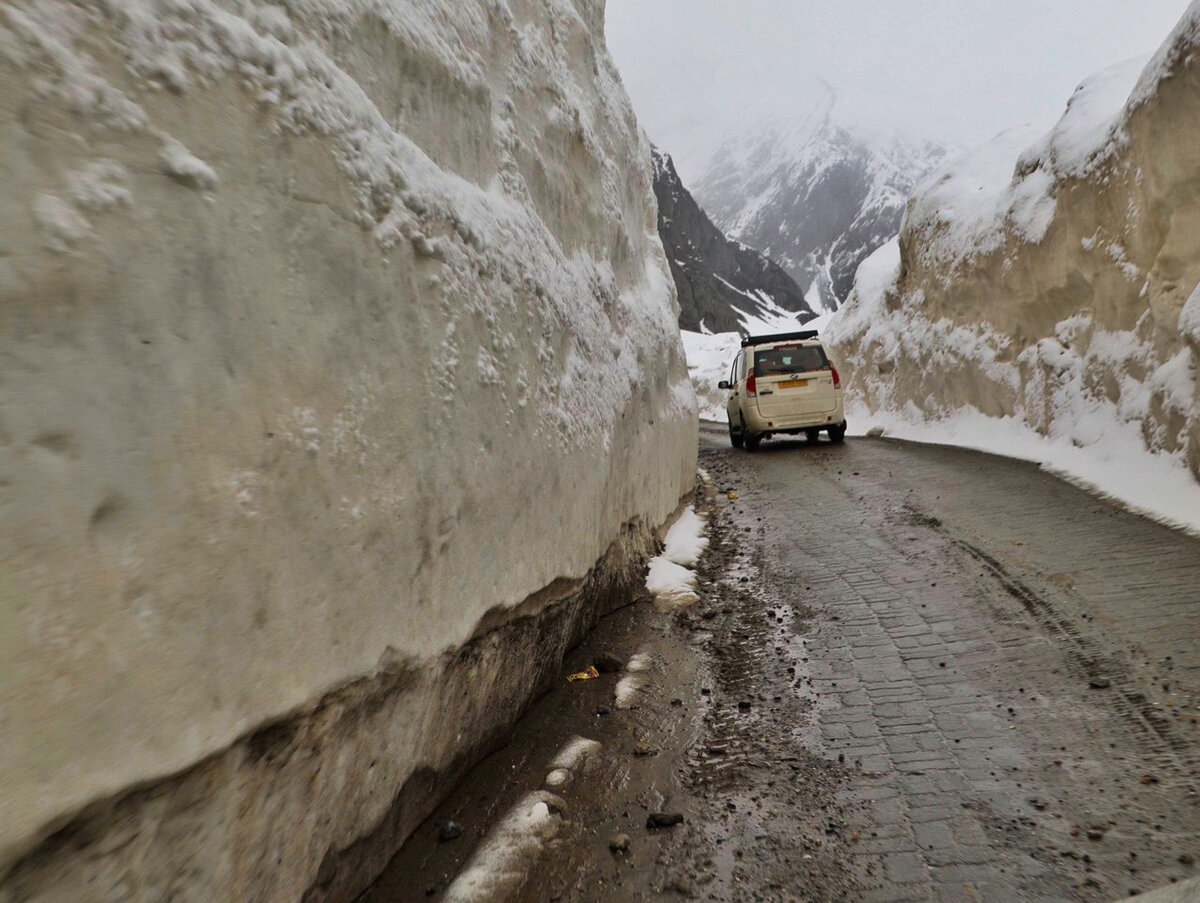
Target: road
pixel 914 673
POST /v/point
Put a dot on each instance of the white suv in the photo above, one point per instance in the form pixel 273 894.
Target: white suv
pixel 783 384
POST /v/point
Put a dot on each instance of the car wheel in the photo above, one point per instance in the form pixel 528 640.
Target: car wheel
pixel 751 440
pixel 838 433
pixel 735 437
pixel 812 435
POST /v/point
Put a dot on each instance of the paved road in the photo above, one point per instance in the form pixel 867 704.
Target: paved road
pixel 914 673
pixel 1019 662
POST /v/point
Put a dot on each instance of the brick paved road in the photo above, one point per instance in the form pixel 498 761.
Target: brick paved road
pixel 1012 666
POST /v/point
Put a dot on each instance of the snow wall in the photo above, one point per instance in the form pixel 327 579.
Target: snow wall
pixel 340 392
pixel 1052 278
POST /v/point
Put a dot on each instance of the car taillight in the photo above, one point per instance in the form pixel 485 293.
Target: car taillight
pixel 751 386
pixel 837 380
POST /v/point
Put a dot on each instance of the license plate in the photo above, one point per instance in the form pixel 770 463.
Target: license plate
pixel 793 384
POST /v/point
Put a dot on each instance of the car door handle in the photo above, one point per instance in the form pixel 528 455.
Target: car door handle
pixel 766 392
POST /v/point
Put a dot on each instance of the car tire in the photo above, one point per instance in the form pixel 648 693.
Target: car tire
pixel 838 433
pixel 735 437
pixel 752 441
pixel 812 435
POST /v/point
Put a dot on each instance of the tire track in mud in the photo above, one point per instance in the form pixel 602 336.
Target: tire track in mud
pixel 1171 751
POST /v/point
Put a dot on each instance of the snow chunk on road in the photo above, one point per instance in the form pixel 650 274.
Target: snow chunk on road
pixel 670 580
pixel 500 863
pixel 672 585
pixel 577 751
pixel 685 541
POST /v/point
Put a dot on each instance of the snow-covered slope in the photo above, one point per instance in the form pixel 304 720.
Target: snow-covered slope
pixel 723 286
pixel 812 195
pixel 340 388
pixel 1051 280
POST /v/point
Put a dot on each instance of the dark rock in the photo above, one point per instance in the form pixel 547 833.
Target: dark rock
pixel 449 831
pixel 607 663
pixel 664 820
pixel 602 710
pixel 710 271
pixel 1099 683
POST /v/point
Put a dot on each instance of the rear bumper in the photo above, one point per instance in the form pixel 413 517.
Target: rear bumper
pixel 756 423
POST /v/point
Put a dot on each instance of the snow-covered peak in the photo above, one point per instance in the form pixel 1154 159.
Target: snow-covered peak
pixel 812 194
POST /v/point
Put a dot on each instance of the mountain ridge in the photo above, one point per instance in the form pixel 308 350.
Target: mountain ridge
pixel 813 196
pixel 723 285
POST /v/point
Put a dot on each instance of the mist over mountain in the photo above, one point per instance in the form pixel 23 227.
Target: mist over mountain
pixel 723 285
pixel 813 195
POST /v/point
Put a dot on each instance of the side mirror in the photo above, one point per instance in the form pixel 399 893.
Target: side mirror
pixel 724 384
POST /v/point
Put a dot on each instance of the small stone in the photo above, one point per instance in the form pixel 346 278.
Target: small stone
pixel 683 886
pixel 1187 859
pixel 744 704
pixel 705 691
pixel 875 432
pixel 1099 683
pixel 676 701
pixel 1095 833
pixel 716 750
pixel 619 843
pixel 642 750
pixel 602 710
pixel 449 831
pixel 607 663
pixel 664 820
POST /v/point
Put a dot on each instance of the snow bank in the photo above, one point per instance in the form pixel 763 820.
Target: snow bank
pixel 709 358
pixel 969 205
pixel 1040 302
pixel 345 330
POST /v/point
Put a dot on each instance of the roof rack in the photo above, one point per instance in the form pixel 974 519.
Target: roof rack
pixel 780 337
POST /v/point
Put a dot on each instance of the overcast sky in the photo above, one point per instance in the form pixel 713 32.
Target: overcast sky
pixel 955 71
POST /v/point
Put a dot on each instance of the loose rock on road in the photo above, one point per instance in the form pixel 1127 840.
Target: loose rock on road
pixel 915 673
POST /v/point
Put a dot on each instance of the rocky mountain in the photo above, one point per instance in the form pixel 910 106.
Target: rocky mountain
pixel 1051 279
pixel 723 285
pixel 811 195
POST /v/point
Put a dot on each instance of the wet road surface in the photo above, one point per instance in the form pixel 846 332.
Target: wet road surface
pixel 914 673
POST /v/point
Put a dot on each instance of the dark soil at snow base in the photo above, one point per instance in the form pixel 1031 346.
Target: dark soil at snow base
pixel 914 674
pixel 712 737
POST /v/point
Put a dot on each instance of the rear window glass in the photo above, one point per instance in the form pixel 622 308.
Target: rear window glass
pixel 790 360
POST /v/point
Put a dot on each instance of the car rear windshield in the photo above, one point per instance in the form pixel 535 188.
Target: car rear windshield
pixel 790 360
